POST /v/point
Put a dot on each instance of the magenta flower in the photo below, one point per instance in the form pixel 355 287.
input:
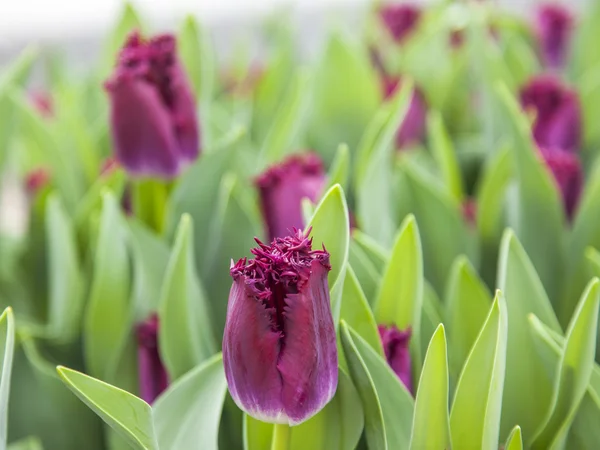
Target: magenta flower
pixel 395 346
pixel 154 124
pixel 400 19
pixel 282 188
pixel 469 211
pixel 413 127
pixel 36 180
pixel 557 112
pixel 554 27
pixel 153 378
pixel 567 172
pixel 279 345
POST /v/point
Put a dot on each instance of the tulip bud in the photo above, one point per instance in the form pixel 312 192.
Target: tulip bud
pixel 400 19
pixel 153 378
pixel 553 26
pixel 279 345
pixel 557 112
pixel 154 124
pixel 567 172
pixel 412 129
pixel 282 188
pixel 36 180
pixel 395 346
pixel 42 101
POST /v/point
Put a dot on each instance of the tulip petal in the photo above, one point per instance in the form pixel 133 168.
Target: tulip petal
pixel 185 118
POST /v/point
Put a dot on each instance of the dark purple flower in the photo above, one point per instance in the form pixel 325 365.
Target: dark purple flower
pixel 567 172
pixel 557 112
pixel 154 124
pixel 153 378
pixel 412 129
pixel 400 19
pixel 279 345
pixel 554 27
pixel 282 188
pixel 395 345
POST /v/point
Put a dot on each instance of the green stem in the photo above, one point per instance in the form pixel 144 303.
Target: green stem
pixel 149 202
pixel 282 434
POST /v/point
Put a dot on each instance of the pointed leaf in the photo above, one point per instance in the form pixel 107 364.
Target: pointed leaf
pixel 340 168
pixel 7 348
pixel 514 441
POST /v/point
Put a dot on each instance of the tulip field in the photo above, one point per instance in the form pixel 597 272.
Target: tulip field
pixel 390 243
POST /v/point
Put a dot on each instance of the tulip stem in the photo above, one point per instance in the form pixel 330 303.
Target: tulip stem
pixel 281 437
pixel 149 202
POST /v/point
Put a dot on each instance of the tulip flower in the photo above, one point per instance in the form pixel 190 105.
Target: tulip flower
pixel 153 378
pixel 469 211
pixel 553 27
pixel 412 129
pixel 36 180
pixel 42 101
pixel 279 345
pixel 557 112
pixel 400 19
pixel 567 173
pixel 154 124
pixel 282 188
pixel 395 346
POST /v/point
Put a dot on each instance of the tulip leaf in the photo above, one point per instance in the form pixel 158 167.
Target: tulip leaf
pixel 575 369
pixel 340 168
pixel 107 321
pixel 257 434
pixel 527 390
pixel 445 155
pixel 514 441
pixel 588 87
pixel 431 316
pixel 366 273
pixel 475 415
pixel 400 296
pixel 431 426
pixel 189 411
pixel 7 348
pixel 130 416
pixel 377 254
pixel 331 228
pixel 387 404
pixel 198 57
pixel 186 335
pixel 467 304
pixel 539 217
pixel 30 443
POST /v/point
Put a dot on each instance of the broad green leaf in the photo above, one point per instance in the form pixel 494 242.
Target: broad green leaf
pixel 431 426
pixel 186 335
pixel 575 369
pixel 197 54
pixel 514 441
pixel 7 348
pixel 107 321
pixel 30 443
pixel 130 416
pixel 475 415
pixel 588 87
pixel 366 273
pixel 331 228
pixel 467 304
pixel 340 168
pixel 377 254
pixel 527 389
pixel 431 317
pixel 189 411
pixel 445 155
pixel 387 404
pixel 586 55
pixel 400 296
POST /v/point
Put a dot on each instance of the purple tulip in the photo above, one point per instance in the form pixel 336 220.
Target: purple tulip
pixel 153 378
pixel 279 345
pixel 557 112
pixel 282 188
pixel 400 19
pixel 395 346
pixel 554 27
pixel 36 180
pixel 154 124
pixel 412 129
pixel 568 175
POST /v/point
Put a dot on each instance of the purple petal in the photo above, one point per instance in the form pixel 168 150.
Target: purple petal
pixel 395 345
pixel 412 129
pixel 153 378
pixel 554 27
pixel 400 19
pixel 567 173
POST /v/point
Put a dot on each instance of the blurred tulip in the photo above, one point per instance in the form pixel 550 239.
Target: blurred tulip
pixel 154 124
pixel 469 210
pixel 42 101
pixel 400 19
pixel 282 188
pixel 36 180
pixel 153 378
pixel 557 112
pixel 567 172
pixel 554 27
pixel 413 127
pixel 395 346
pixel 279 345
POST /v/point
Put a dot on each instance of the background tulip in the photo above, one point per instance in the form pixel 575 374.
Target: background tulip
pixel 400 19
pixel 566 169
pixel 395 345
pixel 153 378
pixel 554 27
pixel 412 129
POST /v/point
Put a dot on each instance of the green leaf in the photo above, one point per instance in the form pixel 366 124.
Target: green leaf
pixel 431 426
pixel 189 411
pixel 331 228
pixel 588 87
pixel 475 415
pixel 400 296
pixel 431 317
pixel 514 441
pixel 7 348
pixel 366 273
pixel 130 416
pixel 257 434
pixel 527 389
pixel 575 369
pixel 30 443
pixel 387 404
pixel 340 168
pixel 198 56
pixel 377 254
pixel 186 335
pixel 107 321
